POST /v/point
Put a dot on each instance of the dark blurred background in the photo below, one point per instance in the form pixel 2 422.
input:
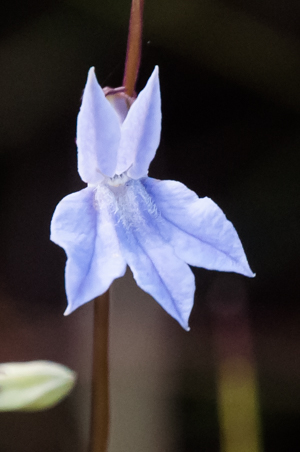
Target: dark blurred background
pixel 229 72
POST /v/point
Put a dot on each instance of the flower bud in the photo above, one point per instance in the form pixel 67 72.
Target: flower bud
pixel 119 100
pixel 35 385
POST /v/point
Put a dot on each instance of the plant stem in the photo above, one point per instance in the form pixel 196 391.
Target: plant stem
pixel 134 44
pixel 100 377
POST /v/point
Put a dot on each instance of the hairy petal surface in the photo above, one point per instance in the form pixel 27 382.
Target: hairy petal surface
pixel 155 266
pixel 141 129
pixel 89 239
pixel 98 134
pixel 197 228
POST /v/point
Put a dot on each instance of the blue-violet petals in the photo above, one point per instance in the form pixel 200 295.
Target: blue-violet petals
pixel 125 217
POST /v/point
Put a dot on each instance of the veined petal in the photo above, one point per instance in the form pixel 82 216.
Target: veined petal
pixel 98 134
pixel 155 266
pixel 197 228
pixel 89 238
pixel 140 134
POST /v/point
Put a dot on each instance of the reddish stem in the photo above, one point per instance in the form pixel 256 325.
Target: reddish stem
pixel 134 45
pixel 100 377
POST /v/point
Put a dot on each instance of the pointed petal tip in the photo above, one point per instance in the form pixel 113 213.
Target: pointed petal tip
pixel 92 82
pixel 248 272
pixel 91 78
pixel 68 311
pixel 184 322
pixel 154 77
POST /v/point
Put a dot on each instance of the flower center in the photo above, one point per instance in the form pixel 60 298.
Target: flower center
pixel 126 199
pixel 117 180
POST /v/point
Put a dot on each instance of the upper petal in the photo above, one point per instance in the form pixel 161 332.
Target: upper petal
pixel 155 266
pixel 89 239
pixel 141 131
pixel 98 133
pixel 197 228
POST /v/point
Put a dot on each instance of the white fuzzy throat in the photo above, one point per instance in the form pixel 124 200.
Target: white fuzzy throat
pixel 126 199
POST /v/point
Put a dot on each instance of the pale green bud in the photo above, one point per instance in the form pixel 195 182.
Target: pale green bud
pixel 35 385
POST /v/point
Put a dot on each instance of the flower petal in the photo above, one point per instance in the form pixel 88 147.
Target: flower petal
pixel 98 134
pixel 89 238
pixel 155 266
pixel 197 228
pixel 140 134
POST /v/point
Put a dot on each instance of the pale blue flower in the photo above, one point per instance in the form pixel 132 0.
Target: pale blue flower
pixel 124 217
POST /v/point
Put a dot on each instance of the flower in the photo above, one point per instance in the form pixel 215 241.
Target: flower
pixel 34 385
pixel 125 217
